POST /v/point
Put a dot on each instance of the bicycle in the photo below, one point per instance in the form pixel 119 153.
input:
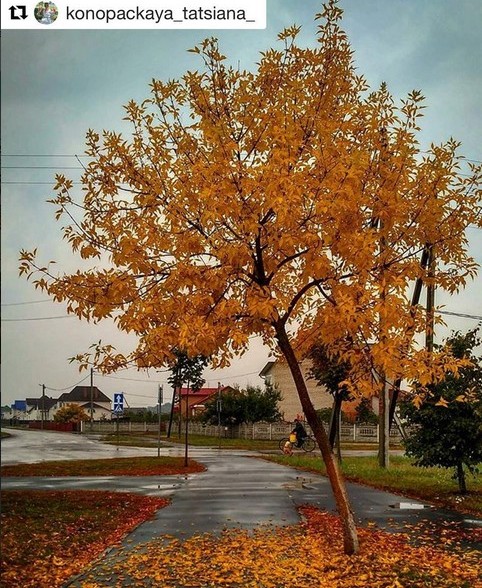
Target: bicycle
pixel 308 444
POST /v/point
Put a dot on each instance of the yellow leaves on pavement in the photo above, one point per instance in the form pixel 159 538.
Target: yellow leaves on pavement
pixel 309 554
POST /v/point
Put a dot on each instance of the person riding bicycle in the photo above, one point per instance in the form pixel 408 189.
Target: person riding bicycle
pixel 300 433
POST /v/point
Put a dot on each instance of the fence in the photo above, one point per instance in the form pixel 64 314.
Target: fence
pixel 274 431
pixel 357 433
pixel 51 426
pixel 107 427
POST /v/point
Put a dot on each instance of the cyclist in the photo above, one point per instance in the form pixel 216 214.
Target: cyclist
pixel 300 433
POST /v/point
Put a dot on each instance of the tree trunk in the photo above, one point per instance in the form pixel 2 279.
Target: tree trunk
pixel 461 478
pixel 338 436
pixel 335 419
pixel 350 537
pixel 384 427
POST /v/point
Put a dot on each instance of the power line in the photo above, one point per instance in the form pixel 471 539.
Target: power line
pixel 23 303
pixel 39 318
pixel 239 375
pixel 132 379
pixel 471 160
pixel 151 397
pixel 49 318
pixel 40 155
pixel 39 167
pixel 68 387
pixel 37 183
pixel 470 316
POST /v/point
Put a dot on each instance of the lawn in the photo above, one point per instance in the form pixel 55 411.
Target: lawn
pixel 48 536
pixel 434 485
pixel 121 466
pixel 150 440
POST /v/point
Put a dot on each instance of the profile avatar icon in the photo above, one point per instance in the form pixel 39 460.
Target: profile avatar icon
pixel 46 12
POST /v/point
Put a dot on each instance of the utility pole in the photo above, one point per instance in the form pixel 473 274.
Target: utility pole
pixel 429 333
pixel 187 426
pixel 91 398
pixel 384 399
pixel 417 291
pixel 42 410
pixel 174 390
pixel 219 406
pixel 159 401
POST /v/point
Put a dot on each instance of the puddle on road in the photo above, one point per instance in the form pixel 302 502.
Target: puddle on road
pixel 298 484
pixel 410 506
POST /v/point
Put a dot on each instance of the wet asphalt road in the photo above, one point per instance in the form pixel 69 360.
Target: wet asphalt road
pixel 237 490
pixel 31 446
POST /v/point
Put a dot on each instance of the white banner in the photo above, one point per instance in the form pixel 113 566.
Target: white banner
pixel 136 14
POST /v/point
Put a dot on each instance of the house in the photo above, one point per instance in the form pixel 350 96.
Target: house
pixel 196 400
pixel 39 409
pixel 19 410
pixel 278 374
pixel 91 399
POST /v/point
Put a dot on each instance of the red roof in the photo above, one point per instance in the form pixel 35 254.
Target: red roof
pixel 201 392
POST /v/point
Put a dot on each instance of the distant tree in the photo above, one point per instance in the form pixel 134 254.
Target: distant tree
pixel 232 410
pixel 332 373
pixel 244 406
pixel 324 414
pixel 71 413
pixel 447 428
pixel 148 416
pixel 262 405
pixel 364 412
pixel 185 369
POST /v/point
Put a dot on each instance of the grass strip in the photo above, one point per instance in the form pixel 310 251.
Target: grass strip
pixel 434 485
pixel 119 466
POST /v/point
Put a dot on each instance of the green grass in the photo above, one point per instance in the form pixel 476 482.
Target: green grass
pixel 227 442
pixel 150 440
pixel 434 485
pixel 121 466
pixel 131 440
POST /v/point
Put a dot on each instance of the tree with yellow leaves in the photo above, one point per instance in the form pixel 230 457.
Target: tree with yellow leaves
pixel 289 202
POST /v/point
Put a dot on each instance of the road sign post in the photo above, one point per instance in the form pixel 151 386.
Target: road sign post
pixel 118 410
pixel 159 403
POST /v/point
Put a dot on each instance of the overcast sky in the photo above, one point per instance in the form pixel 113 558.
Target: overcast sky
pixel 58 84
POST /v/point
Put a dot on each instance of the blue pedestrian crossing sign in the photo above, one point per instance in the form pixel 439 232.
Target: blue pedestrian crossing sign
pixel 118 402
